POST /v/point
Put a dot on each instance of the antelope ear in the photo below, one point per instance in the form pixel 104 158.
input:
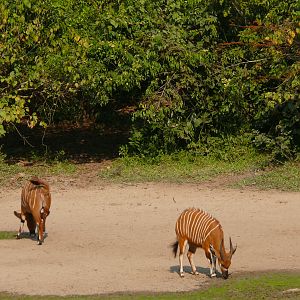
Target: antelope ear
pixel 17 214
pixel 214 252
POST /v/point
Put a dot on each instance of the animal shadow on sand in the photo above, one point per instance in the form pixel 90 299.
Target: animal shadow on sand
pixel 188 270
pixel 27 235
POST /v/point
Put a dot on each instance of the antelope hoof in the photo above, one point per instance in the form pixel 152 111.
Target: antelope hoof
pixel 181 274
pixel 39 242
pixel 18 236
pixel 195 273
pixel 213 275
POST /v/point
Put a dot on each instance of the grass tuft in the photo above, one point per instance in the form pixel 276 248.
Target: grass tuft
pixel 7 235
pixel 42 168
pixel 284 177
pixel 256 287
pixel 182 167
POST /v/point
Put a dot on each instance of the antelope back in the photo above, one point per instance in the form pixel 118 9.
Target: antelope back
pixel 35 196
pixel 196 226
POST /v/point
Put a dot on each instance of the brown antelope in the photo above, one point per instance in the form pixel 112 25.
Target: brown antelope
pixel 199 229
pixel 35 207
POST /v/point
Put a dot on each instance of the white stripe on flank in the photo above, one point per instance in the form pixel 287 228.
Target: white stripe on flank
pixel 194 227
pixel 33 198
pixel 196 236
pixel 209 222
pixel 202 224
pixel 199 237
pixel 182 223
pixel 205 222
pixel 28 194
pixel 210 232
pixel 188 224
pixel 29 197
pixel 194 224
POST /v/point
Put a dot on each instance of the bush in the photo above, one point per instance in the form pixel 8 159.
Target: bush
pixel 191 71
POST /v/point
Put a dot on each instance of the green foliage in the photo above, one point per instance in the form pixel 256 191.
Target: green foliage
pixel 192 71
pixel 188 166
pixel 242 79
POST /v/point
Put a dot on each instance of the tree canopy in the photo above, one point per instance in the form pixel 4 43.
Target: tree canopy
pixel 189 72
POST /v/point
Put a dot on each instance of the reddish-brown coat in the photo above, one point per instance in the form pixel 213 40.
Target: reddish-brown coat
pixel 212 240
pixel 35 206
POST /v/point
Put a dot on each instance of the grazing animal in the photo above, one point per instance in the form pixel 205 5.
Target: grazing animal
pixel 199 229
pixel 35 207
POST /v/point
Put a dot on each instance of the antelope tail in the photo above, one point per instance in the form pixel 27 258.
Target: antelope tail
pixel 174 247
pixel 39 182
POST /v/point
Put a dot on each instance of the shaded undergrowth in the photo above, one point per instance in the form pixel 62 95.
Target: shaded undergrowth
pixel 92 154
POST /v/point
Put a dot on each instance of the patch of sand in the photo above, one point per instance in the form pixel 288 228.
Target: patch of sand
pixel 116 238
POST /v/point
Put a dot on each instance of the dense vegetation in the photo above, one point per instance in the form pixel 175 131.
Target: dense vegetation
pixel 188 74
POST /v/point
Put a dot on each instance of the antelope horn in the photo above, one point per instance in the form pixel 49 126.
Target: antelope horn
pixel 221 251
pixel 232 250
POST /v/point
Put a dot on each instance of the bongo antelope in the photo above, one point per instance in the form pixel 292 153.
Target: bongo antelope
pixel 199 229
pixel 35 207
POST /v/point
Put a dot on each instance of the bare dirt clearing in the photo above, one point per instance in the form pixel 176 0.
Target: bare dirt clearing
pixel 116 238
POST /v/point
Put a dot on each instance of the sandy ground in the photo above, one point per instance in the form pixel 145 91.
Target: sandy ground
pixel 116 238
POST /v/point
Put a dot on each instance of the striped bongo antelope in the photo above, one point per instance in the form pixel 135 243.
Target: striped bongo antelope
pixel 199 229
pixel 35 207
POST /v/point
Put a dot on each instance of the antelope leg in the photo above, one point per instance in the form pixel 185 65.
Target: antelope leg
pixel 212 265
pixel 21 229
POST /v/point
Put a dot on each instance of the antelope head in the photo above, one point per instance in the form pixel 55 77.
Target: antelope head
pixel 225 258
